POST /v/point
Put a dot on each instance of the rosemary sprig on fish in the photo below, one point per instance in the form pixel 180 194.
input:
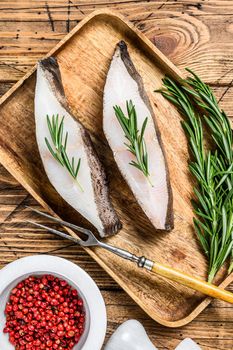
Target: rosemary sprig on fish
pixel 212 168
pixel 136 145
pixel 58 151
pixel 140 143
pixel 68 153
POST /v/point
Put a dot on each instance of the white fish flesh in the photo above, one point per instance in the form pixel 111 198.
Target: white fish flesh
pixel 123 84
pixel 93 201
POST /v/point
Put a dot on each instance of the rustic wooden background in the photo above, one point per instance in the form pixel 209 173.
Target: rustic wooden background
pixel 194 34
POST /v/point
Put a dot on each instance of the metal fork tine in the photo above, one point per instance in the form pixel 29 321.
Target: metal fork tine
pixel 58 233
pixel 61 222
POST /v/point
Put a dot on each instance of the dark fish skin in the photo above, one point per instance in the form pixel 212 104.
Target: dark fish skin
pixel 107 213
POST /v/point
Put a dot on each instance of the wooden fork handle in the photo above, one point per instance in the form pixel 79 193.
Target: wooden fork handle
pixel 192 282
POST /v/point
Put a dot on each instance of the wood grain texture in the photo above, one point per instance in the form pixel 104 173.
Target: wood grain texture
pixel 36 37
pixel 86 55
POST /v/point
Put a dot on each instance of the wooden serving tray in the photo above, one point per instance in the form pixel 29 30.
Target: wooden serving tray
pixel 84 56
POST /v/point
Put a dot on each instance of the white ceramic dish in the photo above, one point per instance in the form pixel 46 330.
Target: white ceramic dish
pixel 96 318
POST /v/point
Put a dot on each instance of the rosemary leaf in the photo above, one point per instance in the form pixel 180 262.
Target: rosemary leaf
pixel 136 145
pixel 212 169
pixel 58 150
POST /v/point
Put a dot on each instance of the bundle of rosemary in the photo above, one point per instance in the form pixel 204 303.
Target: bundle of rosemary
pixel 212 168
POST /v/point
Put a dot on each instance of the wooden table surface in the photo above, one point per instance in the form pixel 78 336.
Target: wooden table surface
pixel 194 34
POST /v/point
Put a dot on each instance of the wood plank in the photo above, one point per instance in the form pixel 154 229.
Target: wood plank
pixel 34 179
pixel 222 93
pixel 215 19
pixel 161 338
pixel 189 34
pixel 206 330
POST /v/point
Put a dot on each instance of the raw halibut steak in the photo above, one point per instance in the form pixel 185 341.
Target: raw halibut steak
pixel 124 84
pixel 89 195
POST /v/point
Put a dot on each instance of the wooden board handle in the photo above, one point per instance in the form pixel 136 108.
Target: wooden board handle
pixel 192 282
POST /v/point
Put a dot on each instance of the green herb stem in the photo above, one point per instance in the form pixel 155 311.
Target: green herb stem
pixel 58 150
pixel 136 143
pixel 212 168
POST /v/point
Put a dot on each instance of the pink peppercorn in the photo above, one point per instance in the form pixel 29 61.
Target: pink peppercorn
pixel 44 312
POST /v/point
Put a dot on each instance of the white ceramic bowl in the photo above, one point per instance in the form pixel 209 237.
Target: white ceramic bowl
pixel 96 318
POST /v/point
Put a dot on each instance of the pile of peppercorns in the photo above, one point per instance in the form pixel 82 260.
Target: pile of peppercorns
pixel 44 312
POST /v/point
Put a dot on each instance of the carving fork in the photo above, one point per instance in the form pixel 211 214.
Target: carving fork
pixel 142 262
